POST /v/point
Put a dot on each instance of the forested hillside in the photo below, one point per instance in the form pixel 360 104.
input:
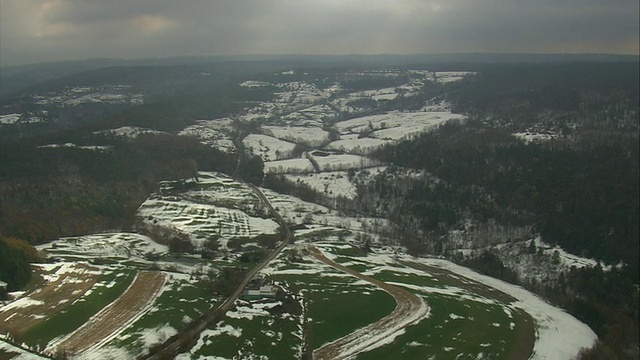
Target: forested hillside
pixel 61 191
pixel 548 149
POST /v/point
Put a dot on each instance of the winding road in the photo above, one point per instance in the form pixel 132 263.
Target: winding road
pixel 410 309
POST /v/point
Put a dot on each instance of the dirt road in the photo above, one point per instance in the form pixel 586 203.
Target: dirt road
pixel 138 297
pixel 409 310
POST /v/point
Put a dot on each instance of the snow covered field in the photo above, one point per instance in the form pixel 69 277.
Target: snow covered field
pixel 128 132
pixel 113 94
pixel 109 245
pixel 215 133
pixel 335 183
pixel 333 162
pixel 350 143
pixel 311 136
pixel 74 146
pixel 13 119
pixel 445 77
pixel 396 125
pixel 217 206
pixel 535 137
pixel 267 147
pixel 313 116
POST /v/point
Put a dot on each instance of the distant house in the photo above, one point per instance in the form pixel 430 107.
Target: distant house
pixel 266 291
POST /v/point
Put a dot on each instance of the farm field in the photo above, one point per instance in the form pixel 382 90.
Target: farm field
pixel 140 295
pixel 214 206
pixel 447 317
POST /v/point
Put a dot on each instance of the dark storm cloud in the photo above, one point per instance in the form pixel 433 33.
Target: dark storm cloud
pixel 41 30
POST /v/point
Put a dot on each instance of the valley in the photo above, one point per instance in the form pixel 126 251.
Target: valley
pixel 329 255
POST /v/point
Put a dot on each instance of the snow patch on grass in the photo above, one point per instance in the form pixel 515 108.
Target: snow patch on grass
pixel 558 336
pixel 298 165
pixel 267 147
pixel 129 132
pixel 330 183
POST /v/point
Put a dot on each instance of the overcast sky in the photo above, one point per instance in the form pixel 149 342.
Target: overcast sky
pixel 49 30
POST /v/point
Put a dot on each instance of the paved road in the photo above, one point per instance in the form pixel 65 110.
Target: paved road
pixel 173 346
pixel 410 309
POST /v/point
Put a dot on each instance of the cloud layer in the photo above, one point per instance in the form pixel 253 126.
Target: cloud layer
pixel 46 30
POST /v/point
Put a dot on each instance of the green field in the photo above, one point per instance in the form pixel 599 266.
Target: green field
pixel 468 320
pixel 180 303
pixel 248 332
pixel 461 330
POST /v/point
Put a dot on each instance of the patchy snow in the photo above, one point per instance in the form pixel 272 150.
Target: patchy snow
pixel 216 206
pixel 334 162
pixel 23 302
pixel 445 77
pixel 544 263
pixel 395 125
pixel 109 245
pixel 329 183
pixel 221 329
pixel 535 137
pixel 567 259
pixel 74 146
pixel 296 166
pixel 215 133
pixel 267 147
pixel 9 119
pixel 245 310
pixel 311 136
pixel 157 335
pixel 558 334
pixel 254 84
pixel 129 132
pixel 78 95
pixel 410 309
pixel 312 116
pixel 297 211
pixel 353 145
pixel 377 95
pixel 436 106
pixel 18 353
